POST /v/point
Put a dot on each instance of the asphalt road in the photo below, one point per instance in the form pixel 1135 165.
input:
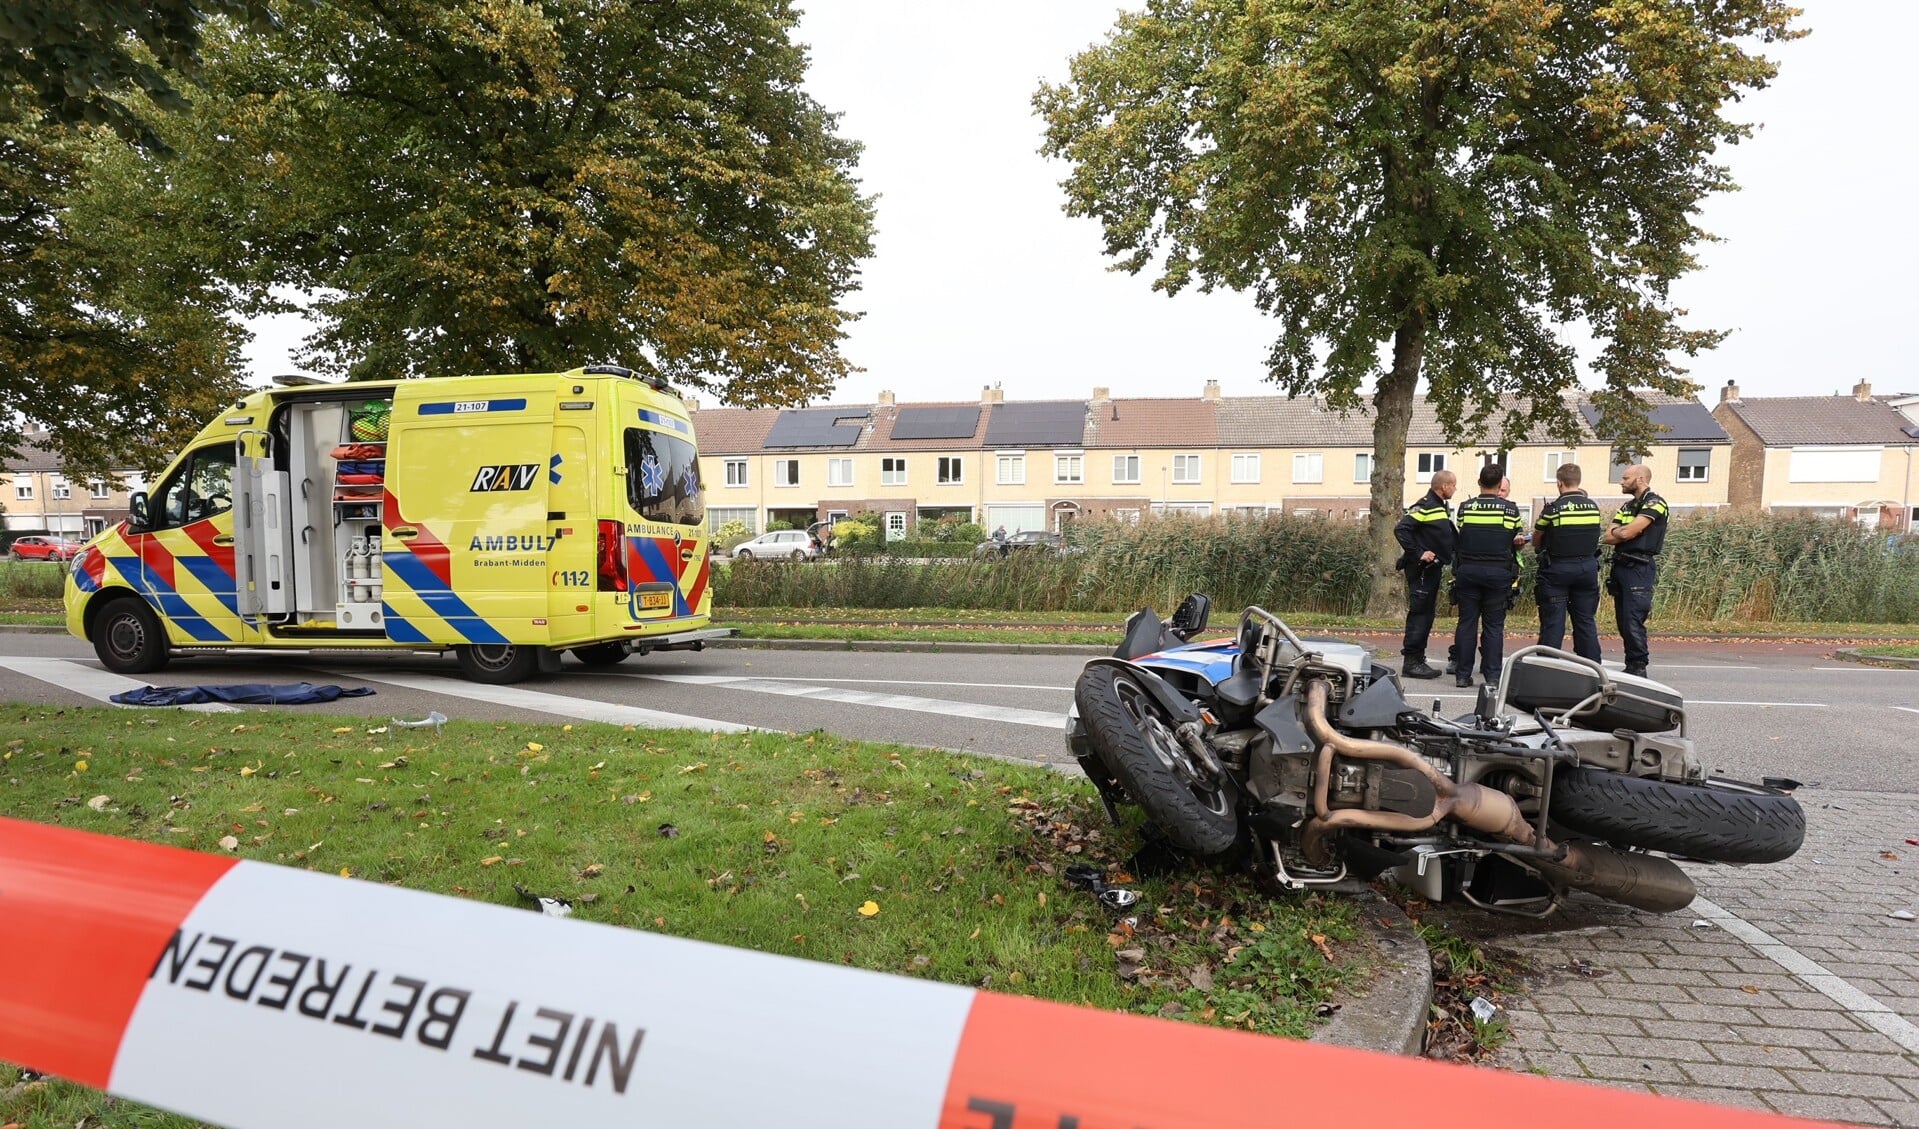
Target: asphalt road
pixel 1758 710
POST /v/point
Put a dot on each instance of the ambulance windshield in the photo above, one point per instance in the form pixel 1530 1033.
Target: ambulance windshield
pixel 663 478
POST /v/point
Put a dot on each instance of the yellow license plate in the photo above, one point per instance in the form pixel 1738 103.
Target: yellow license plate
pixel 656 599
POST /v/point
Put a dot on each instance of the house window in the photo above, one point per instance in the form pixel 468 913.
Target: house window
pixel 1309 466
pixel 1363 467
pixel 1621 459
pixel 951 472
pixel 786 472
pixel 1245 468
pixel 1694 464
pixel 98 489
pixel 736 472
pixel 1186 469
pixel 1125 468
pixel 1012 470
pixel 1068 468
pixel 23 489
pixel 719 517
pixel 1833 464
pixel 1555 460
pixel 839 472
pixel 892 472
pixel 1430 463
pixel 60 488
pixel 1185 509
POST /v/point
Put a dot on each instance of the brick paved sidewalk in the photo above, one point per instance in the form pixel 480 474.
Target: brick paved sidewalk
pixel 1665 1005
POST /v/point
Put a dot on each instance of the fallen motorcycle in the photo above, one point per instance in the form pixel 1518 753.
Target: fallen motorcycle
pixel 1305 758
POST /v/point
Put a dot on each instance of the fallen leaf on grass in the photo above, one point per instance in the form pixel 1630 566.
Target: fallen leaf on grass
pixel 535 747
pixel 492 860
pixel 79 766
pixel 593 870
pixel 247 770
pixel 868 909
pixel 1325 950
pixel 99 803
pixel 229 843
pixel 344 729
pixel 700 767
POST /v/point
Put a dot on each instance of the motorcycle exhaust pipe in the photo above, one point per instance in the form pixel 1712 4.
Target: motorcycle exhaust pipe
pixel 1647 882
pixel 1639 880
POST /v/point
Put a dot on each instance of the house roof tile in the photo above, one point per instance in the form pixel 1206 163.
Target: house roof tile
pixel 1153 423
pixel 1790 421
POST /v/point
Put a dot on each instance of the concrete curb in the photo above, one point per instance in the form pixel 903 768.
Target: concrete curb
pixel 30 629
pixel 1858 655
pixel 1391 1015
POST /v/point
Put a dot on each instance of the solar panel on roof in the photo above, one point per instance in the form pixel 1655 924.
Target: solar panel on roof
pixel 1054 423
pixel 1681 421
pixel 937 423
pixel 815 427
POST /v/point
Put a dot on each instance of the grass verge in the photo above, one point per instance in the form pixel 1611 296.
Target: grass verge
pixel 766 841
pixel 1893 650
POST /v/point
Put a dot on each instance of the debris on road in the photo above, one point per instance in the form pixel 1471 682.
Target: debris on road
pixel 1903 915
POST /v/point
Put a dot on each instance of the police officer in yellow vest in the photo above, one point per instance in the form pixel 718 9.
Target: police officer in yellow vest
pixel 1567 540
pixel 1426 535
pixel 1483 573
pixel 1637 533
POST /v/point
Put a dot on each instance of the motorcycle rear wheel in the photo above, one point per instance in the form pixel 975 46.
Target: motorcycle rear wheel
pixel 1718 821
pixel 1135 738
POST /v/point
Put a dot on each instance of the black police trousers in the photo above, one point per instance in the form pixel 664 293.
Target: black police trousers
pixel 1570 586
pixel 1484 591
pixel 1422 600
pixel 1631 586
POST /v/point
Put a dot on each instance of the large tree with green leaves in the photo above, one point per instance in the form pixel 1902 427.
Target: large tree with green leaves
pixel 111 334
pixel 1423 187
pixel 486 186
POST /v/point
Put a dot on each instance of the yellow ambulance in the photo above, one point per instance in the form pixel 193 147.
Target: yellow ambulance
pixel 507 518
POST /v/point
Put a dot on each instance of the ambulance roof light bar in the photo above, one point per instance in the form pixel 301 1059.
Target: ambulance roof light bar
pixel 656 381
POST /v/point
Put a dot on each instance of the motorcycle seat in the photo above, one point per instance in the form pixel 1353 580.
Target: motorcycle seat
pixel 1240 689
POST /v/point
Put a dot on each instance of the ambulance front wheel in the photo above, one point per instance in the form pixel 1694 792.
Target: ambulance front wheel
pixel 601 654
pixel 498 664
pixel 128 638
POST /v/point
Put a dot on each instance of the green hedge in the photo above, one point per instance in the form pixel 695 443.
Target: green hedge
pixel 1724 567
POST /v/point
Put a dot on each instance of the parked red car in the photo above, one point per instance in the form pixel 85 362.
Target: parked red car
pixel 44 549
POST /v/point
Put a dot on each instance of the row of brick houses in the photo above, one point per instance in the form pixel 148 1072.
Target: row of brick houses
pixel 1043 464
pixel 1032 464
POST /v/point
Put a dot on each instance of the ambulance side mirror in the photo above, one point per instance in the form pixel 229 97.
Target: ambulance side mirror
pixel 137 510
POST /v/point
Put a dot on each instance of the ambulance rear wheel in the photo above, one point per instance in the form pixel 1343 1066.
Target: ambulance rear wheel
pixel 128 638
pixel 601 654
pixel 497 664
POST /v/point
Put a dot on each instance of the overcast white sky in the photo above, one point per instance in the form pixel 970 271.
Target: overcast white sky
pixel 978 276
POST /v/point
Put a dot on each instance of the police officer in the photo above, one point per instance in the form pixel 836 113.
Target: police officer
pixel 1512 595
pixel 1567 540
pixel 1637 533
pixel 1489 528
pixel 1426 536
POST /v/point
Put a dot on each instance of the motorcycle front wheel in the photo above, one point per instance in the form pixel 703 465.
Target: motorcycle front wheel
pixel 1135 737
pixel 1718 821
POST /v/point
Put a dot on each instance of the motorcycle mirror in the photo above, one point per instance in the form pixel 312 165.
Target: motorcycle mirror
pixel 1115 898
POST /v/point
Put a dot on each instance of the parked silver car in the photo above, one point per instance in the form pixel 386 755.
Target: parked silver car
pixel 782 544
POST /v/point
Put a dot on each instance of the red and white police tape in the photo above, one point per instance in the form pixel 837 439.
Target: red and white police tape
pixel 263 997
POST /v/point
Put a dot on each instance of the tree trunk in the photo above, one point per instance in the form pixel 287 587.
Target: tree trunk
pixel 1392 416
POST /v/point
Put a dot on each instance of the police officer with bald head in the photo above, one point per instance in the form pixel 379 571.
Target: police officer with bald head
pixel 1637 533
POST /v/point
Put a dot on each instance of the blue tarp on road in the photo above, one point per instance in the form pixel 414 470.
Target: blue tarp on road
pixel 251 693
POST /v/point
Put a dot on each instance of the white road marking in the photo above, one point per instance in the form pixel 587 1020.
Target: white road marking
pixel 100 685
pixel 581 709
pixel 860 681
pixel 1815 975
pixel 1802 705
pixel 1043 719
pixel 1859 668
pixel 1908 709
pixel 1712 666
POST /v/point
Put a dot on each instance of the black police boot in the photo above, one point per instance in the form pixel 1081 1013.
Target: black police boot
pixel 1463 680
pixel 1636 671
pixel 1417 668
